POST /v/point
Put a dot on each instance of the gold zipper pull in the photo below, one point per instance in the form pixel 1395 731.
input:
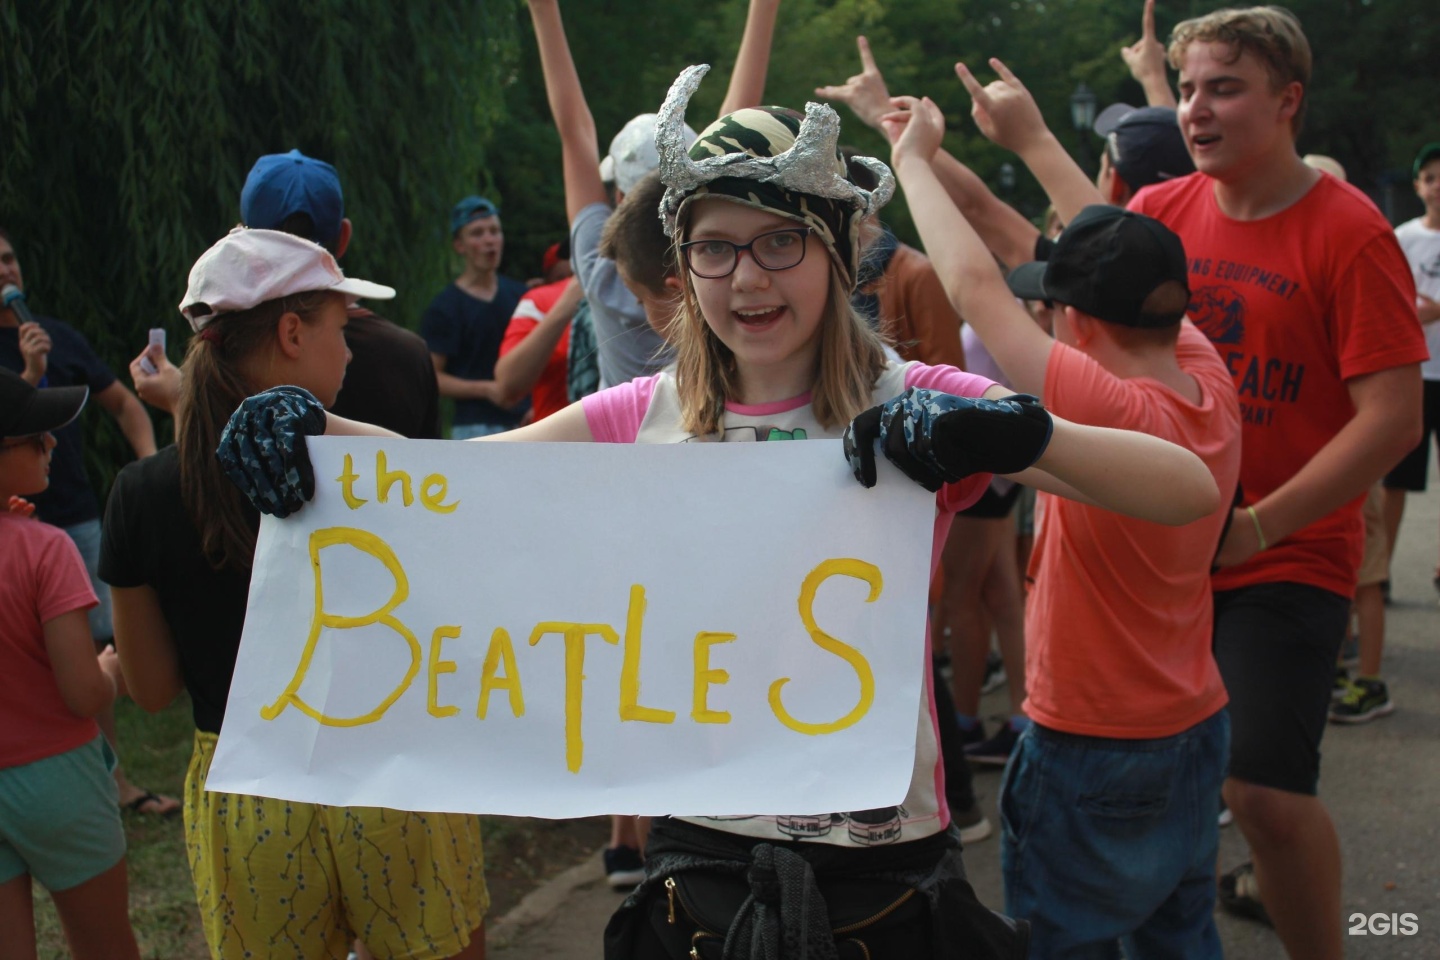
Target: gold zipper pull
pixel 670 894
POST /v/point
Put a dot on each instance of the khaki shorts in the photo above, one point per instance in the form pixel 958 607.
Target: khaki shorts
pixel 276 878
pixel 1375 566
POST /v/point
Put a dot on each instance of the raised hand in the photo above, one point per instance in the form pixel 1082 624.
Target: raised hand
pixel 915 128
pixel 1003 109
pixel 865 92
pixel 262 448
pixel 1146 60
pixel 160 389
pixel 935 438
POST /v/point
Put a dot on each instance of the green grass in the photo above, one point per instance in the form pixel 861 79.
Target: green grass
pixel 155 750
pixel 520 853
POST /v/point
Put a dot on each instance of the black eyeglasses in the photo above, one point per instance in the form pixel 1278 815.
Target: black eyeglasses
pixel 36 440
pixel 776 250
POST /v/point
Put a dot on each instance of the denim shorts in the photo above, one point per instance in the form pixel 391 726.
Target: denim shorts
pixel 1107 842
pixel 60 817
pixel 469 431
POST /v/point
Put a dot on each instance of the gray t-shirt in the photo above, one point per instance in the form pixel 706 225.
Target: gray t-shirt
pixel 628 347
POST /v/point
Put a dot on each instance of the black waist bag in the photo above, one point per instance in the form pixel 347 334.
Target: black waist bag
pixel 869 919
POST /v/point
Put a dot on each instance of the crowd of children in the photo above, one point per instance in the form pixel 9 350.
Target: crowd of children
pixel 1203 375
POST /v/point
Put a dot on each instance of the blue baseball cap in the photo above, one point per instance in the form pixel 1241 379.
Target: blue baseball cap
pixel 281 185
pixel 471 208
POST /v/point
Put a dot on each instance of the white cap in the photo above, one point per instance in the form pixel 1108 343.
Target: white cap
pixel 249 267
pixel 632 152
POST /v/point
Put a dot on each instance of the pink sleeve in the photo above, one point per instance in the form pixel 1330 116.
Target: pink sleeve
pixel 62 583
pixel 953 496
pixel 615 414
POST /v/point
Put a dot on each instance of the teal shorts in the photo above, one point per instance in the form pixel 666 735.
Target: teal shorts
pixel 60 818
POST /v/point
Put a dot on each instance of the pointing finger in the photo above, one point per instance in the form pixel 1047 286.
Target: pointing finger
pixel 866 60
pixel 1147 21
pixel 977 92
pixel 1005 73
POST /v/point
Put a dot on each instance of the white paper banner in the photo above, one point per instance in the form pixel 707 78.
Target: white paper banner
pixel 563 630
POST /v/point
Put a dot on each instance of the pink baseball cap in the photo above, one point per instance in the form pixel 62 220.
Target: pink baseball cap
pixel 248 267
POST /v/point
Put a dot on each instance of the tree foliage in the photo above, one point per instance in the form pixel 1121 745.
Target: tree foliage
pixel 1370 105
pixel 129 128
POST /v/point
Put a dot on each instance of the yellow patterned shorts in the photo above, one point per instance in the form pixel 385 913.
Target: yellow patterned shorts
pixel 281 879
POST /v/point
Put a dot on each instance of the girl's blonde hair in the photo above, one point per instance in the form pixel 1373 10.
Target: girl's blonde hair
pixel 213 386
pixel 852 357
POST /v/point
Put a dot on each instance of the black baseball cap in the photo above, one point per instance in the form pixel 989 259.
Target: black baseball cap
pixel 26 409
pixel 1427 153
pixel 1144 144
pixel 1107 263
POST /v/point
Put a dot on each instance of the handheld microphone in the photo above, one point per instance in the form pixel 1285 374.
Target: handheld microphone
pixel 14 299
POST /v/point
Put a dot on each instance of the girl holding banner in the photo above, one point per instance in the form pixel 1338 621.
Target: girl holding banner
pixel 770 231
pixel 272 877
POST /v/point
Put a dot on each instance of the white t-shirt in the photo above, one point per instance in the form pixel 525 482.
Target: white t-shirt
pixel 1422 249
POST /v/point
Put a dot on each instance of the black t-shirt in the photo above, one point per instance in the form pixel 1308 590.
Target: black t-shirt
pixel 468 332
pixel 149 542
pixel 390 381
pixel 72 362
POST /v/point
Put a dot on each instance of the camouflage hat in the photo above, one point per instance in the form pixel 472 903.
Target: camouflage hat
pixel 772 159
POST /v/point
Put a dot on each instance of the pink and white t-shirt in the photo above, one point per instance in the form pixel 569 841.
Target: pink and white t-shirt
pixel 647 410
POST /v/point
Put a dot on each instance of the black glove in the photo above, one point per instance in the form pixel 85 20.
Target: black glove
pixel 263 448
pixel 936 438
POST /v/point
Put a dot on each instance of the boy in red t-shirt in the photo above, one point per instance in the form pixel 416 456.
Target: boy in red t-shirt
pixel 1298 281
pixel 59 806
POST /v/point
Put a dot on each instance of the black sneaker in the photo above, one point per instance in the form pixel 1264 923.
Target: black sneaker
pixel 1364 701
pixel 1341 689
pixel 996 751
pixel 994 673
pixel 971 737
pixel 623 867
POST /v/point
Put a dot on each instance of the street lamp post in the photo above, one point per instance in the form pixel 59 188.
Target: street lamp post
pixel 1082 117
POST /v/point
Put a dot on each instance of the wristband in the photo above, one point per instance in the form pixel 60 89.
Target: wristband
pixel 1259 534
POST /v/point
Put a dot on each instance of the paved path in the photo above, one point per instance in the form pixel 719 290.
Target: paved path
pixel 1381 782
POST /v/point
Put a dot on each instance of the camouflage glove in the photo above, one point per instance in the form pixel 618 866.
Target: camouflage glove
pixel 262 448
pixel 938 439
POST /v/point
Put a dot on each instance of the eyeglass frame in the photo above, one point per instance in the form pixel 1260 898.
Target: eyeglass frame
pixel 735 249
pixel 26 440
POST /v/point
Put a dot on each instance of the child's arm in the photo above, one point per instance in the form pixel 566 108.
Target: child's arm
pixel 976 288
pixel 147 653
pixel 579 144
pixel 1146 60
pixel 937 438
pixel 1123 471
pixel 519 368
pixel 752 63
pixel 85 686
pixel 1008 116
pixel 1008 234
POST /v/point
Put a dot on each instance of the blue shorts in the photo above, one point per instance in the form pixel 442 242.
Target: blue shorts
pixel 1110 841
pixel 60 818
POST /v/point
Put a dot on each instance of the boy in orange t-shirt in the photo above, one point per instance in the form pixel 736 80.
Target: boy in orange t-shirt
pixel 1117 840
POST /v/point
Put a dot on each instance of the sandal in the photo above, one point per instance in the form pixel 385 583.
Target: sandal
pixel 1239 894
pixel 153 804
